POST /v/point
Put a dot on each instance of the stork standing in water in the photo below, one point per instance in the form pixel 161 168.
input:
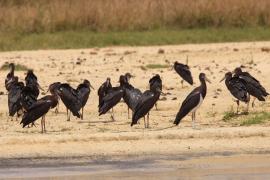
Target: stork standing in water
pixel 193 101
pixel 253 86
pixel 184 72
pixel 83 91
pixel 237 88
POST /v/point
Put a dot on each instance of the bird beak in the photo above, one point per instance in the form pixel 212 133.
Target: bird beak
pixel 40 87
pixel 92 87
pixel 47 91
pixel 222 79
pixel 207 80
pixel 160 92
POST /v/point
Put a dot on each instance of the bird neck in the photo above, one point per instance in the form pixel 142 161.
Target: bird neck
pixel 203 88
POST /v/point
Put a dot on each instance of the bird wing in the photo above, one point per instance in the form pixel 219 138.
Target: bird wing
pixel 83 93
pixel 132 97
pixel 145 104
pixel 110 100
pixel 191 101
pixel 71 100
pixel 14 97
pixel 249 79
pixel 238 89
pixel 185 73
pixel 36 111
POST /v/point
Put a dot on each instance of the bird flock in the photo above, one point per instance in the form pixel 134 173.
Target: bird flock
pixel 24 101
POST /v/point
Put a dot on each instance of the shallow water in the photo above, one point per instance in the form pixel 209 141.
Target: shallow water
pixel 148 167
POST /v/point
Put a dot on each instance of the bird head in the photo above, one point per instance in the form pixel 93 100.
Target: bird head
pixel 227 75
pixel 203 77
pixel 237 70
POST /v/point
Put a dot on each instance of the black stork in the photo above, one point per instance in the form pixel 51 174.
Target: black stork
pixel 147 101
pixel 155 82
pixel 184 72
pixel 253 86
pixel 53 90
pixel 83 91
pixel 39 109
pixel 31 81
pixel 237 88
pixel 131 95
pixel 10 78
pixel 112 98
pixel 193 101
pixel 103 89
pixel 71 100
pixel 14 97
pixel 28 98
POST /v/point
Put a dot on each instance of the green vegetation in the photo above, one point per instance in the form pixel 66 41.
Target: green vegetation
pixel 18 67
pixel 86 39
pixel 256 118
pixel 157 66
pixel 229 115
pixel 246 119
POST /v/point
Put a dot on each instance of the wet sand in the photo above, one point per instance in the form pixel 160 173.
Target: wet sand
pixel 187 166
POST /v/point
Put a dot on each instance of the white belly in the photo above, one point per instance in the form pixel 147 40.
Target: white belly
pixel 200 103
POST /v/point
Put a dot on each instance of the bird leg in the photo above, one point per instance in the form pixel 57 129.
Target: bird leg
pixel 156 106
pixel 82 114
pixel 44 124
pixel 68 117
pixel 144 122
pixel 147 120
pixel 128 112
pixel 253 102
pixel 193 120
pixel 182 83
pixel 112 115
pixel 42 119
pixel 237 102
pixel 56 109
pixel 247 108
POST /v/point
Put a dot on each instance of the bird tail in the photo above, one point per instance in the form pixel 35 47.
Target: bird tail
pixel 135 119
pixel 77 114
pixel 261 98
pixel 180 115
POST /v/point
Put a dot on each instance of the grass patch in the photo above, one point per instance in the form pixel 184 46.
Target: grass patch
pixel 18 67
pixel 257 118
pixel 156 66
pixel 229 115
pixel 86 39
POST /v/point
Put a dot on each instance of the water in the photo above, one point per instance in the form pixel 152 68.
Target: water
pixel 144 167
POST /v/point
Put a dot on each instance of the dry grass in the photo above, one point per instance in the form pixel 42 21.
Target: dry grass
pixel 108 15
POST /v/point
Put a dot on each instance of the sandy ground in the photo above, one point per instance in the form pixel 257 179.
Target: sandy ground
pixel 99 137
